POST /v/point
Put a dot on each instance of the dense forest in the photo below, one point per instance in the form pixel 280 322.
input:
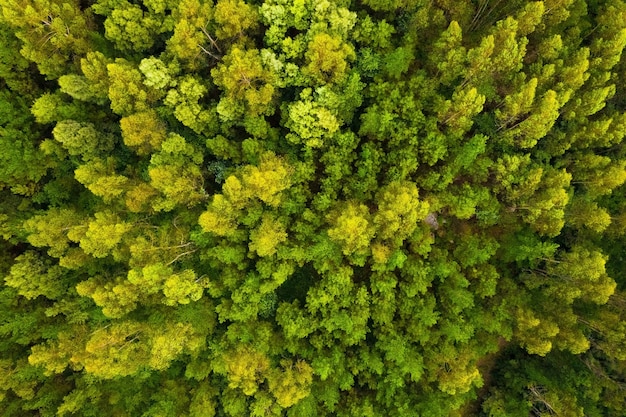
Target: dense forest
pixel 303 208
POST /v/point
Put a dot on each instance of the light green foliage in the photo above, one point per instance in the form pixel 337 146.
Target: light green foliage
pixel 578 274
pixel 265 238
pixel 33 276
pixel 250 185
pixel 79 88
pixel 175 172
pixel 461 376
pixel 535 333
pixel 518 104
pixel 164 245
pixel 94 67
pixel 191 20
pixel 143 131
pixel 265 181
pixel 139 196
pixel 352 227
pixel 479 59
pixel 233 18
pixel 386 5
pixel 219 218
pixel 509 51
pixel 158 74
pixel 182 288
pixel 54 356
pixel 132 28
pixel 292 383
pixel 100 178
pixel 458 112
pixel 245 369
pixel 150 278
pixel 184 100
pixel 49 108
pixel 116 298
pixel 399 211
pixel 117 350
pixel 448 54
pixel 538 195
pixel 53 230
pixel 584 271
pixel 377 34
pixel 328 58
pixel 597 173
pixel 245 80
pixel 310 122
pixel 312 16
pixel 587 214
pixel 127 92
pixel 81 139
pixel 103 234
pixel 52 31
pixel 152 283
pixel 169 342
pixel 527 132
pixel 530 16
pixel 203 401
pixel 122 349
pixel 311 208
pixel 129 20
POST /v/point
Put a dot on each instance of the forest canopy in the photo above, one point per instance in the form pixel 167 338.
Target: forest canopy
pixel 311 208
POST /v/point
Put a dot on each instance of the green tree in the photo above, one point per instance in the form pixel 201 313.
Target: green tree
pixel 175 172
pixel 246 81
pixel 352 228
pixel 143 131
pixel 132 28
pixel 60 24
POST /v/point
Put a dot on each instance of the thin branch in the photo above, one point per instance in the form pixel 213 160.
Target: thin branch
pixel 213 42
pixel 180 256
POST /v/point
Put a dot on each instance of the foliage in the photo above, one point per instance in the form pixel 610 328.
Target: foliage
pixel 312 208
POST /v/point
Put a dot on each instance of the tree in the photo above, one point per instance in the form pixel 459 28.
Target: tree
pixel 352 227
pixel 458 112
pixel 60 23
pixel 131 28
pixel 100 178
pixel 233 18
pixel 265 238
pixel 399 211
pixel 292 384
pixel 526 133
pixel 310 122
pixel 175 172
pixel 103 234
pixel 246 369
pixel 328 58
pixel 190 38
pixel 23 162
pixel 53 229
pixel 127 92
pixel 184 102
pixel 246 81
pixel 598 174
pixel 33 276
pixel 587 214
pixel 81 139
pixel 143 131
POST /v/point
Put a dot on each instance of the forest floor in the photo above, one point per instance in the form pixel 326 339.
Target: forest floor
pixel 486 367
